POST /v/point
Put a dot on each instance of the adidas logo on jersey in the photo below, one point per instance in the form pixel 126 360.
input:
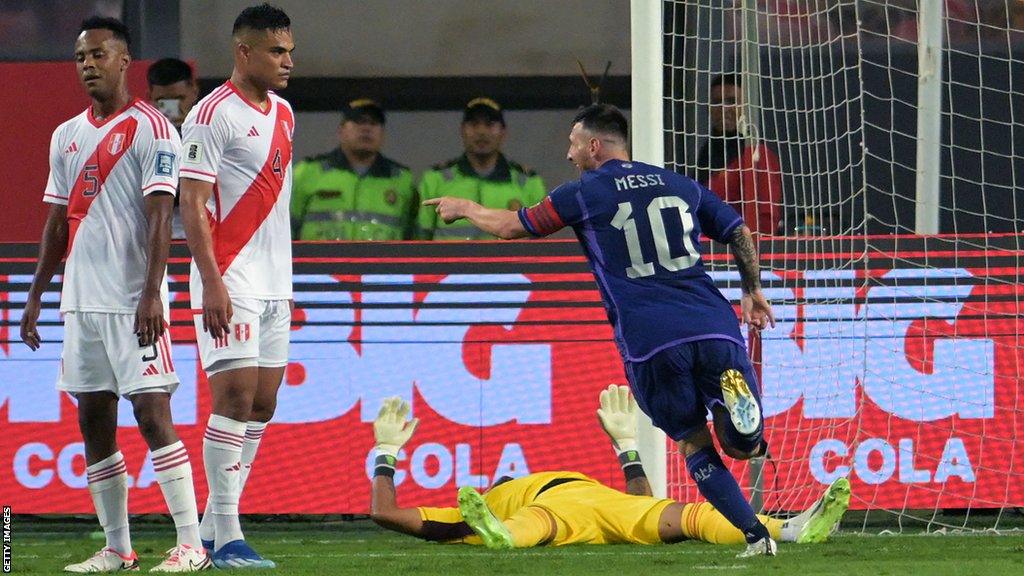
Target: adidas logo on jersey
pixel 253 132
pixel 71 149
pixel 151 370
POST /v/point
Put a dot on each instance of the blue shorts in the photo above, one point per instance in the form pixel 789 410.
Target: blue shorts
pixel 679 385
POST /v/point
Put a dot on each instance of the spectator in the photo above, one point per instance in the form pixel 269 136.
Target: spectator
pixel 481 174
pixel 354 192
pixel 173 90
pixel 745 175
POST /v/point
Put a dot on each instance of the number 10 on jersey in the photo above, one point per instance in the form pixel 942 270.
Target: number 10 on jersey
pixel 625 221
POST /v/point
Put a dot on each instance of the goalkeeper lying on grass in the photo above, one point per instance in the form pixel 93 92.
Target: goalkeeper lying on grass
pixel 556 508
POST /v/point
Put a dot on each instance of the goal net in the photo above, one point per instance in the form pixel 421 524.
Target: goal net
pixel 873 146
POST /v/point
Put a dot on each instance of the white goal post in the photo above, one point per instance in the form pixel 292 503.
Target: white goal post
pixel 877 144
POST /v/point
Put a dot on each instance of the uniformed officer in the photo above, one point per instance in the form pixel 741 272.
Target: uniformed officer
pixel 354 192
pixel 482 174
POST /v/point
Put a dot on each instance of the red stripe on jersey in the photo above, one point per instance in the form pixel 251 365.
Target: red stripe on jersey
pixel 239 226
pixel 156 119
pixel 54 196
pixel 162 121
pixel 95 171
pixel 211 100
pixel 544 218
pixel 206 110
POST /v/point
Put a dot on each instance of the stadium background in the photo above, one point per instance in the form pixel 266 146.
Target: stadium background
pixel 424 61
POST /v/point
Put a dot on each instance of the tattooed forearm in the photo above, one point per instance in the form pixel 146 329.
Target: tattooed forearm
pixel 745 253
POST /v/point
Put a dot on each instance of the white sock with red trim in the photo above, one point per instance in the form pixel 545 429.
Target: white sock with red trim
pixel 253 434
pixel 108 484
pixel 207 531
pixel 174 473
pixel 222 449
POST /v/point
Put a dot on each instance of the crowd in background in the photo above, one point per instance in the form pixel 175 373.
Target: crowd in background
pixel 786 23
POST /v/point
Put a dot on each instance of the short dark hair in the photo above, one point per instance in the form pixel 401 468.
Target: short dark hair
pixel 262 17
pixel 603 119
pixel 119 30
pixel 167 71
pixel 729 79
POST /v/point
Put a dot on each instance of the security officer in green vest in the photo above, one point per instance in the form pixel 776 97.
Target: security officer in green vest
pixel 482 174
pixel 354 192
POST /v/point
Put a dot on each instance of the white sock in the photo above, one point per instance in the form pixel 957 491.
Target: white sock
pixel 222 450
pixel 791 528
pixel 108 484
pixel 174 473
pixel 207 531
pixel 253 434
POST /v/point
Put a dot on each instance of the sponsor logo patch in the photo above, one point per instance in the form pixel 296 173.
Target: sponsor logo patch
pixel 164 164
pixel 193 153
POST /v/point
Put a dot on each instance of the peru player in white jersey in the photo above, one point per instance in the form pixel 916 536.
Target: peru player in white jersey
pixel 113 176
pixel 236 178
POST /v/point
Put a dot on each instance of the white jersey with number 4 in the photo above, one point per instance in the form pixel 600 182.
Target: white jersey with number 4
pixel 246 152
pixel 102 170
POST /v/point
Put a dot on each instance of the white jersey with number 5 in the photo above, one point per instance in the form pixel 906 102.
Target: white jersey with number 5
pixel 246 152
pixel 102 170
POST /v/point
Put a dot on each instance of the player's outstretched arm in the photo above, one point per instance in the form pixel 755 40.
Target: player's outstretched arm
pixel 617 414
pixel 216 303
pixel 502 223
pixel 51 249
pixel 757 312
pixel 149 316
pixel 392 430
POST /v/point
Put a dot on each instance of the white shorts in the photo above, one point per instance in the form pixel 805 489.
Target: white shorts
pixel 102 354
pixel 259 334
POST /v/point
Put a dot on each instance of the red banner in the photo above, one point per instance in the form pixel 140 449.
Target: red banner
pixel 904 377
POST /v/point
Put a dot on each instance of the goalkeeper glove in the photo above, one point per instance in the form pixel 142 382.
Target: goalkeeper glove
pixel 618 417
pixel 391 429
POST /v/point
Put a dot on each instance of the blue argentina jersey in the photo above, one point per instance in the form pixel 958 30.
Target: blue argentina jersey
pixel 640 229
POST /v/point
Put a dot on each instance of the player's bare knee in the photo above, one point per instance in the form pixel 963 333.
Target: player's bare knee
pixel 263 410
pixel 152 413
pixel 234 402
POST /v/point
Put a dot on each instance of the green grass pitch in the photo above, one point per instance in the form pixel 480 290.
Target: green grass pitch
pixel 361 548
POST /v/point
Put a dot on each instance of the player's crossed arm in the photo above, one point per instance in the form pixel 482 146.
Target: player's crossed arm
pixel 502 223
